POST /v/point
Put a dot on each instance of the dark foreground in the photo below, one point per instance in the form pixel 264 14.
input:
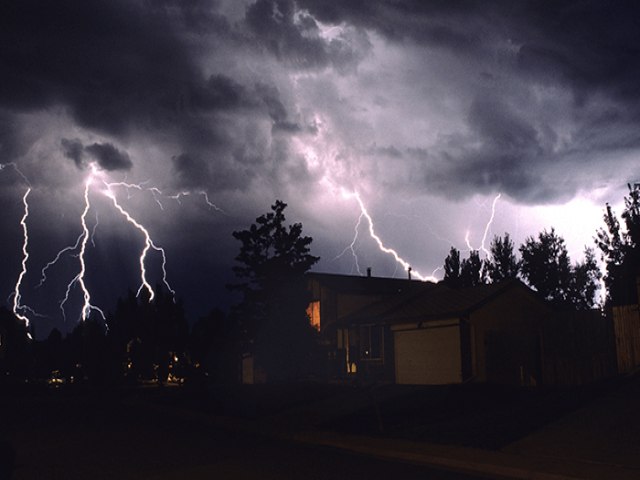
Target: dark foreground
pixel 117 435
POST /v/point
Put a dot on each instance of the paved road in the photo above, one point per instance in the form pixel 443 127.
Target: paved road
pixel 97 436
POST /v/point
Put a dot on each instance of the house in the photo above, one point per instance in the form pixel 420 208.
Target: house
pixel 334 297
pixel 439 335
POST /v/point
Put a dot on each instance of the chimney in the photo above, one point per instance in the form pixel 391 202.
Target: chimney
pixel 409 272
pixel 368 272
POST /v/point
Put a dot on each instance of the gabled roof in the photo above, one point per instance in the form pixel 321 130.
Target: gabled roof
pixel 435 303
pixel 369 285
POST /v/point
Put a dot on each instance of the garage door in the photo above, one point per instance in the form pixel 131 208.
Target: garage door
pixel 428 356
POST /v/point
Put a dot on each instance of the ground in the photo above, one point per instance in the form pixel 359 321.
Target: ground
pixel 249 431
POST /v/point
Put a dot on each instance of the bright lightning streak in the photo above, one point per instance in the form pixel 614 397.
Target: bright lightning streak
pixel 157 193
pixel 70 248
pixel 486 229
pixel 17 307
pixel 148 245
pixel 87 307
pixel 201 192
pixel 352 246
pixel 365 214
pixel 17 297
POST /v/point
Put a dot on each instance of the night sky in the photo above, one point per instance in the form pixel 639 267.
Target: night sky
pixel 428 110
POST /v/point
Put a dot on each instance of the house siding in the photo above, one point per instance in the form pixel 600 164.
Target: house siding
pixel 429 355
pixel 508 329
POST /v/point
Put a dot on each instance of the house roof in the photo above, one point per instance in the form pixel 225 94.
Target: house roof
pixel 439 302
pixel 369 285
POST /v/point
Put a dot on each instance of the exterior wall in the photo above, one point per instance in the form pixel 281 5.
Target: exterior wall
pixel 579 348
pixel 335 305
pixel 506 338
pixel 343 360
pixel 626 324
pixel 430 355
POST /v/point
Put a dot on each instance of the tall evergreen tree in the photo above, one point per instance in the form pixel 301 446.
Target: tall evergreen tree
pixel 273 260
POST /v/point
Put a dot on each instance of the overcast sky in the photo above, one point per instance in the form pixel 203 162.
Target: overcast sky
pixel 427 110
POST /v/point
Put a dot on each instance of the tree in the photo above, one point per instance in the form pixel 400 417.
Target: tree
pixel 620 249
pixel 585 281
pixel 465 273
pixel 503 264
pixel 16 353
pixel 452 268
pixel 546 266
pixel 213 347
pixel 273 260
pixel 146 337
pixel 471 271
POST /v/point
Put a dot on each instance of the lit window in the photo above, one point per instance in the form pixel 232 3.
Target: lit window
pixel 313 312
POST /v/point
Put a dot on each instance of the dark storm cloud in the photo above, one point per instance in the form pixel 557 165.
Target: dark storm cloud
pixel 276 109
pixel 293 36
pixel 111 63
pixel 109 157
pixel 73 150
pixel 438 23
pixel 587 49
pixel 126 69
pixel 204 171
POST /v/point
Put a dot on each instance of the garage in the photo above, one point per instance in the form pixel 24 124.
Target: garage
pixel 428 356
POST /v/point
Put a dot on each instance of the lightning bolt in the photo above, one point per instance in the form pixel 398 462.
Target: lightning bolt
pixel 79 248
pixel 204 195
pixel 83 239
pixel 352 246
pixel 17 307
pixel 364 214
pixel 157 194
pixel 486 229
pixel 86 236
pixel 148 245
pixel 70 248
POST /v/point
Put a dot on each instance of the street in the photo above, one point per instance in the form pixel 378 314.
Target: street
pixel 95 435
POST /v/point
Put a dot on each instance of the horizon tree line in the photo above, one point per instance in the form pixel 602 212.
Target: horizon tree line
pixel 153 339
pixel 545 265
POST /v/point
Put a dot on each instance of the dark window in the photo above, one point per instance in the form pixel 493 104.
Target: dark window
pixel 371 342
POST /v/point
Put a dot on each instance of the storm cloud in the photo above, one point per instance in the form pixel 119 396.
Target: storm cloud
pixel 428 110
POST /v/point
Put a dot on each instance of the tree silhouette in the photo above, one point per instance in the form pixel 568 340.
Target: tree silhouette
pixel 213 345
pixel 585 282
pixel 465 273
pixel 546 266
pixel 452 268
pixel 16 355
pixel 145 337
pixel 620 249
pixel 471 271
pixel 272 261
pixel 503 264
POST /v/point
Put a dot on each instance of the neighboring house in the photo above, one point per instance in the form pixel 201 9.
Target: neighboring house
pixel 334 297
pixel 439 335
